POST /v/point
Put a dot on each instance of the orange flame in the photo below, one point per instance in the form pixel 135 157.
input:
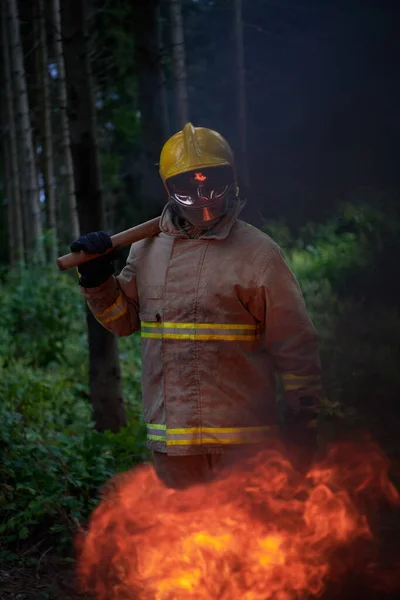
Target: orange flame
pixel 259 532
pixel 200 177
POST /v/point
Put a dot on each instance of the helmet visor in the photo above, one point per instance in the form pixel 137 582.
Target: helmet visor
pixel 201 188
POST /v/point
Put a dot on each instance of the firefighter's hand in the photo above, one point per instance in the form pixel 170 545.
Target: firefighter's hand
pixel 94 272
pixel 300 437
pixel 96 242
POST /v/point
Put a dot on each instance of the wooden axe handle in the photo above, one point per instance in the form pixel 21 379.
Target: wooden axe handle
pixel 119 240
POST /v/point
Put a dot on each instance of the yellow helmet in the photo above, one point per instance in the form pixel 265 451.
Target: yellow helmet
pixel 194 148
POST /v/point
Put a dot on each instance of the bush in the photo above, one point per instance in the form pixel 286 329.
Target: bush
pixel 39 309
pixel 53 463
pixel 48 480
pixel 346 269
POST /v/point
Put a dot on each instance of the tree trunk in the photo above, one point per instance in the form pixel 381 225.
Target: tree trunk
pixel 179 64
pixel 149 69
pixel 105 374
pixel 162 76
pixel 9 194
pixel 65 134
pixel 14 194
pixel 241 92
pixel 48 162
pixel 32 188
pixel 37 100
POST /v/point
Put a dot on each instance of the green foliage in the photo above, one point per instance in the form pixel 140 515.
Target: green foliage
pixel 39 309
pixel 53 463
pixel 51 478
pixel 346 269
pixel 48 479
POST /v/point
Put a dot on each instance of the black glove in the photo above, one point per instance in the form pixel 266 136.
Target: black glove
pixel 300 432
pixel 96 271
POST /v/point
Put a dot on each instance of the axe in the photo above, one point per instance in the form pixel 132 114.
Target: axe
pixel 119 240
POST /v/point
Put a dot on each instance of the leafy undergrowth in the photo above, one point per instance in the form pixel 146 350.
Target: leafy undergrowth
pixel 53 463
pixel 347 269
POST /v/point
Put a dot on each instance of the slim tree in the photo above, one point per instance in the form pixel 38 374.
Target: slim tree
pixel 14 191
pixel 241 90
pixel 9 193
pixel 162 75
pixel 48 162
pixel 179 63
pixel 65 134
pixel 148 61
pixel 105 375
pixel 32 188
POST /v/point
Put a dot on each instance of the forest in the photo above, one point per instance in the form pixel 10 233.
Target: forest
pixel 306 92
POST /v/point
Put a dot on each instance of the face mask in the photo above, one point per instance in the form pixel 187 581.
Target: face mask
pixel 203 218
pixel 202 197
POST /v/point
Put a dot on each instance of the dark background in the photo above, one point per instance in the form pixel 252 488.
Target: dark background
pixel 323 98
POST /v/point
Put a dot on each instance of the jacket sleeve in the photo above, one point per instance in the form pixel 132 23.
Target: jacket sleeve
pixel 115 303
pixel 290 337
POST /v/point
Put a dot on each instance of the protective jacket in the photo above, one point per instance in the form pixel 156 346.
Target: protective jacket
pixel 220 316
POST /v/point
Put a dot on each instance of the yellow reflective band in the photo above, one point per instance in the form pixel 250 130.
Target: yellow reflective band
pixel 114 317
pixel 197 336
pixel 113 306
pixel 198 442
pixel 118 309
pixel 290 376
pixel 216 435
pixel 156 438
pixel 168 325
pixel 237 430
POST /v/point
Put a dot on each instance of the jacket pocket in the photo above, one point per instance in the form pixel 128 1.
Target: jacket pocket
pixel 152 365
pixel 154 292
pixel 150 316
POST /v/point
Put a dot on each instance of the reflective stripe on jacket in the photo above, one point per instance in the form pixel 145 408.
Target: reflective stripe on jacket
pixel 219 316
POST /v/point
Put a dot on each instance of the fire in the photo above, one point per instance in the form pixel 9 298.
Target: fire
pixel 261 531
pixel 200 177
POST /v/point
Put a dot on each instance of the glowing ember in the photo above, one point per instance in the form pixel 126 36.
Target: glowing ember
pixel 260 532
pixel 200 177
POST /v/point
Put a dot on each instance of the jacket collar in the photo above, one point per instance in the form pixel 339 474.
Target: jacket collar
pixel 221 230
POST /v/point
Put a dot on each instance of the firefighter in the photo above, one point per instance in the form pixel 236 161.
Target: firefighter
pixel 220 315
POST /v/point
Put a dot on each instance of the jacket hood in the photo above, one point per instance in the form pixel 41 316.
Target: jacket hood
pixel 169 223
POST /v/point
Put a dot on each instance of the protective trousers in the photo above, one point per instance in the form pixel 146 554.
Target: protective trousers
pixel 180 472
